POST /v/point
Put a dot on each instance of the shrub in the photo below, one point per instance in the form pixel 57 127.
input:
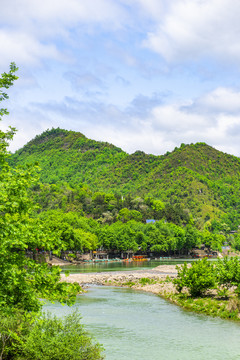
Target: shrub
pixel 47 337
pixel 197 279
pixel 52 339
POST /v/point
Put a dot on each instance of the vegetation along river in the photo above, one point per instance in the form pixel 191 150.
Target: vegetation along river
pixel 134 325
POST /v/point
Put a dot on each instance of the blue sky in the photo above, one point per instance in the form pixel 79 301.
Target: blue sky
pixel 141 74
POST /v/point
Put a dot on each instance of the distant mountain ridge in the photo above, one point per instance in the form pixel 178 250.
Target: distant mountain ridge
pixel 199 177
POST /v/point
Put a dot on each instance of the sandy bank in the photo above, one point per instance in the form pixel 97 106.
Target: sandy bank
pixel 157 275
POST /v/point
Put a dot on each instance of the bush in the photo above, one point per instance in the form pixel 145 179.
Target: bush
pixel 197 279
pixel 52 339
pixel 14 325
pixel 48 338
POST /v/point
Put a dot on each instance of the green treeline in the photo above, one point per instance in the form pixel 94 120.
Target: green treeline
pixel 119 223
pixel 79 233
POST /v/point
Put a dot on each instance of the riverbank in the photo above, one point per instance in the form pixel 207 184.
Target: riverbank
pixel 159 281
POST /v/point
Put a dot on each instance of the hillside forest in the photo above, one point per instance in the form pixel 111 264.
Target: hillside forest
pixel 92 195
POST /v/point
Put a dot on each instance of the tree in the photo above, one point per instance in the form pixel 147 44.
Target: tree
pixel 23 280
pixel 228 273
pixel 125 215
pixel 197 279
pixel 6 81
pixel 192 237
pixel 158 208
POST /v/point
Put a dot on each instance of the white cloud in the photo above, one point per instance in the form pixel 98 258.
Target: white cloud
pixel 178 30
pixel 160 129
pixel 32 31
pixel 221 100
pixel 59 11
pixel 216 122
pixel 189 29
pixel 214 118
pixel 153 8
pixel 171 118
pixel 24 49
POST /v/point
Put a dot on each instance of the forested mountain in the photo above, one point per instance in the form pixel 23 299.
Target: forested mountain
pixel 203 180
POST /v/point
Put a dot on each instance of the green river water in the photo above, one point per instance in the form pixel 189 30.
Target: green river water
pixel 120 266
pixel 134 325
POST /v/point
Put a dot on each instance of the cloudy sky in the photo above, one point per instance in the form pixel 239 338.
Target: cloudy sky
pixel 142 74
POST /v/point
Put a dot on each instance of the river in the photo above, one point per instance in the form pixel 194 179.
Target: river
pixel 121 266
pixel 134 325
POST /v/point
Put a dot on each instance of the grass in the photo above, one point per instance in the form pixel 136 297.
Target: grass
pixel 129 283
pixel 146 281
pixel 223 308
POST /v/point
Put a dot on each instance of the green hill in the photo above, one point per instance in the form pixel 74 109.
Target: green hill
pixel 69 156
pixel 203 180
